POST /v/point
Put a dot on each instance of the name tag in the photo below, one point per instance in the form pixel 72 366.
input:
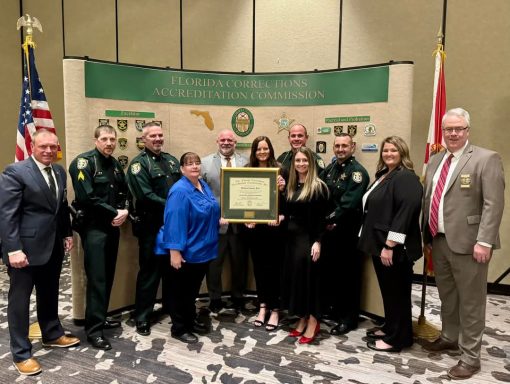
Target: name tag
pixel 465 180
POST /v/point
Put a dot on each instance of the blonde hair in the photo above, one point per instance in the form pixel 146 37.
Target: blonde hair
pixel 403 150
pixel 313 186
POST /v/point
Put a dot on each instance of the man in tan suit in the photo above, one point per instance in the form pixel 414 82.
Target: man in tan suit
pixel 462 210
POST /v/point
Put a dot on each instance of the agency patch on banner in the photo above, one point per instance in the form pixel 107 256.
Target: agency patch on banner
pixel 352 130
pixel 122 125
pixel 283 122
pixel 338 130
pixel 123 160
pixel 139 125
pixel 140 143
pixel 104 122
pixel 242 122
pixel 123 143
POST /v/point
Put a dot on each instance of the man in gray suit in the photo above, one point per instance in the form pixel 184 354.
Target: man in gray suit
pixel 462 210
pixel 35 230
pixel 231 243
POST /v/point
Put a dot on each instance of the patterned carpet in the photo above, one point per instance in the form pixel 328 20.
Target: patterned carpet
pixel 236 352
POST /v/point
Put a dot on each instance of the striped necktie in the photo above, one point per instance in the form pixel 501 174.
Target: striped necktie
pixel 438 193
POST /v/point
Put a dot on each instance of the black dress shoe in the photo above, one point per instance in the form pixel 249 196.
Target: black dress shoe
pixel 143 328
pixel 216 305
pixel 340 329
pixel 110 324
pixel 99 342
pixel 371 345
pixel 186 337
pixel 200 328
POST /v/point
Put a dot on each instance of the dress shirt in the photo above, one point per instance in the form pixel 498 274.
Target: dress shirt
pixel 41 167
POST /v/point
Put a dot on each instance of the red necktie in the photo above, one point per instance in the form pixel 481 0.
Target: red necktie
pixel 438 192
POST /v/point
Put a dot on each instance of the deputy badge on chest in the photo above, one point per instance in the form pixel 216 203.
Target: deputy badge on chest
pixel 465 180
pixel 357 177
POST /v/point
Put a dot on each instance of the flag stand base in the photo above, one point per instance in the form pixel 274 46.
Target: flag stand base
pixel 34 331
pixel 424 330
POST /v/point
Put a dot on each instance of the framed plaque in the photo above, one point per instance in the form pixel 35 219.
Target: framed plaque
pixel 249 195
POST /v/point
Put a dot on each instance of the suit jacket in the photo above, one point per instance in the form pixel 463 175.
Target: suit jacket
pixel 393 205
pixel 32 219
pixel 473 199
pixel 211 171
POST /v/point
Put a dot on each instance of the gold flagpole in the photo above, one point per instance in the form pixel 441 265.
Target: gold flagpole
pixel 29 23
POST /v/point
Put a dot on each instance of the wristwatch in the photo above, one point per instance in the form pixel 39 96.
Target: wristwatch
pixel 386 246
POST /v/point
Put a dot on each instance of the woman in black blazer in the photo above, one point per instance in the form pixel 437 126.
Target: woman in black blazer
pixel 391 235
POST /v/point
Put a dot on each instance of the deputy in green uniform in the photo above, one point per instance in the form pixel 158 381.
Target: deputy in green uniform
pixel 150 176
pixel 298 136
pixel 347 181
pixel 102 197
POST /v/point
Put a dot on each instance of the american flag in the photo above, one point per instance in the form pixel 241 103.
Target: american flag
pixel 34 112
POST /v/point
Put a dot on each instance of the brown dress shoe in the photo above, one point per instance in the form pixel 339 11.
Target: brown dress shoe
pixel 62 342
pixel 28 367
pixel 462 371
pixel 440 345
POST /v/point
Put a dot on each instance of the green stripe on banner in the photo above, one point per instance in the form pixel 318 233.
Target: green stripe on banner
pixel 122 82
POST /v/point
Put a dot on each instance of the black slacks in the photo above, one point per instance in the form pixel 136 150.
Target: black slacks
pixel 341 273
pixel 183 289
pixel 101 245
pixel 395 284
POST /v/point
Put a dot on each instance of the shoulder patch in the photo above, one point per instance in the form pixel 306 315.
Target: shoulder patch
pixel 357 177
pixel 320 162
pixel 82 163
pixel 135 168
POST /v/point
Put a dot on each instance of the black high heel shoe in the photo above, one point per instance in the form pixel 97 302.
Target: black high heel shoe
pixel 259 323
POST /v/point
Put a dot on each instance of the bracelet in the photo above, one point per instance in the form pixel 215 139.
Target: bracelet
pixel 388 247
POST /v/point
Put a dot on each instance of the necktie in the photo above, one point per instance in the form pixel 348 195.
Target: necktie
pixel 53 187
pixel 229 163
pixel 436 199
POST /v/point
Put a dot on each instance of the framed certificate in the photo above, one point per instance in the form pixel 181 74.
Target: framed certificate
pixel 249 195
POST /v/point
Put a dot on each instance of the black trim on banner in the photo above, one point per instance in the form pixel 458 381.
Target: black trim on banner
pixel 392 62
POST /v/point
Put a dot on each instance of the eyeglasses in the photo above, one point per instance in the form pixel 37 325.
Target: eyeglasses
pixel 192 163
pixel 454 129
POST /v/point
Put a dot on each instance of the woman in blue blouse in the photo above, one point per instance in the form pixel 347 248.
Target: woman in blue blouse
pixel 190 237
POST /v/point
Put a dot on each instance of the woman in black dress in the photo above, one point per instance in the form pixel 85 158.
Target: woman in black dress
pixel 266 247
pixel 305 211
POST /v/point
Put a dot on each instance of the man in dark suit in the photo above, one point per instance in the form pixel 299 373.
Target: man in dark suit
pixel 231 244
pixel 36 232
pixel 462 211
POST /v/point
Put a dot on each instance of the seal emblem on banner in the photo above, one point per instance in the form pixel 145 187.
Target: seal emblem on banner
pixel 122 125
pixel 242 122
pixel 283 122
pixel 139 125
pixel 104 122
pixel 122 143
pixel 140 143
pixel 123 160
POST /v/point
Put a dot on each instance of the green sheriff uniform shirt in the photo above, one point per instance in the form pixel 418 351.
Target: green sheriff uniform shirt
pixel 285 159
pixel 347 183
pixel 99 185
pixel 150 177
